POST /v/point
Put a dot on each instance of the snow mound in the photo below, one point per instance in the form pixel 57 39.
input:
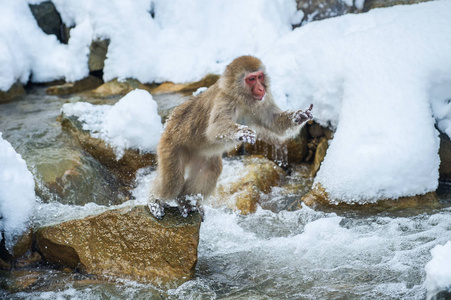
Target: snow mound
pixel 17 197
pixel 374 77
pixel 133 122
pixel 438 270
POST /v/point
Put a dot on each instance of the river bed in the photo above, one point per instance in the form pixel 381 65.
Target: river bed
pixel 303 254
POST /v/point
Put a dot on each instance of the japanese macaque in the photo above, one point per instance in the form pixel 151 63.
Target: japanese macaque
pixel 238 108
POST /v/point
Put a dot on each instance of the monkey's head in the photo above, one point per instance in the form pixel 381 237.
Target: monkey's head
pixel 245 77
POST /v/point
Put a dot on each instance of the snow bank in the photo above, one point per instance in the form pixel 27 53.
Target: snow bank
pixel 26 51
pixel 373 77
pixel 133 122
pixel 438 270
pixel 183 41
pixel 17 197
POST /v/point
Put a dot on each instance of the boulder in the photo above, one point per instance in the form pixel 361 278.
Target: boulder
pixel 123 169
pixel 87 83
pixel 14 91
pixel 320 153
pixel 170 87
pixel 127 243
pixel 445 157
pixel 315 10
pixel 318 198
pixel 49 20
pixel 97 55
pixel 115 87
pixel 370 4
pixel 243 193
pixel 21 247
pixel 291 151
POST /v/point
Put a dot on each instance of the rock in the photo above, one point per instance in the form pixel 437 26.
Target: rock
pixel 315 10
pixel 170 87
pixel 14 91
pixel 87 83
pixel 116 87
pixel 291 151
pixel 97 55
pixel 4 265
pixel 315 130
pixel 22 246
pixel 370 4
pixel 31 259
pixel 20 280
pixel 126 243
pixel 123 169
pixel 320 153
pixel 258 176
pixel 318 198
pixel 445 157
pixel 49 20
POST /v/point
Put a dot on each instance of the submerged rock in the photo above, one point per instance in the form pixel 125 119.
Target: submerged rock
pixel 126 243
pixel 84 84
pixel 245 190
pixel 14 91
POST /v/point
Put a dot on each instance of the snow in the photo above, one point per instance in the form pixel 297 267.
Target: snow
pixel 374 78
pixel 17 197
pixel 133 122
pixel 438 270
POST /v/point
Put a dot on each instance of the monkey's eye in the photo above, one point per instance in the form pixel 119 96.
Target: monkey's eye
pixel 260 77
pixel 251 78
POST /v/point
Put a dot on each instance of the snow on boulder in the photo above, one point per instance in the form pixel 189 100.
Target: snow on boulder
pixel 373 77
pixel 133 122
pixel 17 196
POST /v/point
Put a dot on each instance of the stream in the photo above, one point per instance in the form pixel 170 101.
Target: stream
pixel 303 254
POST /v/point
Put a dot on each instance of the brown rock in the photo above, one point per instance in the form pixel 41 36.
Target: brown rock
pixel 319 198
pixel 127 243
pixel 315 130
pixel 87 83
pixel 14 91
pixel 291 151
pixel 445 157
pixel 258 176
pixel 115 87
pixel 97 54
pixel 170 87
pixel 320 153
pixel 125 168
pixel 19 280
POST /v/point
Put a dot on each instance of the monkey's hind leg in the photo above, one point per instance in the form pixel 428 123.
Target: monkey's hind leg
pixel 155 207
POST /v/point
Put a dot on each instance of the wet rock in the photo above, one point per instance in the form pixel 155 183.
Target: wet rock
pixel 88 83
pixel 445 158
pixel 49 20
pixel 126 243
pixel 125 168
pixel 320 153
pixel 97 55
pixel 19 280
pixel 30 259
pixel 22 246
pixel 170 87
pixel 243 193
pixel 116 87
pixel 4 265
pixel 370 4
pixel 289 152
pixel 318 198
pixel 315 10
pixel 14 91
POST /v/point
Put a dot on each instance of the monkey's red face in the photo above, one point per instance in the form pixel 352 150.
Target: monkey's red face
pixel 256 82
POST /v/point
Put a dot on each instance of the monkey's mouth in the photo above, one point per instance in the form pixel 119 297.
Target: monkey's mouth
pixel 259 98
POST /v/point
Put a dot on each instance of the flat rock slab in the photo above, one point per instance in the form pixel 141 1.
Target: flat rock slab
pixel 126 243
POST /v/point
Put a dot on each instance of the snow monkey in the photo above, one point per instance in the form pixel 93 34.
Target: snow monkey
pixel 238 108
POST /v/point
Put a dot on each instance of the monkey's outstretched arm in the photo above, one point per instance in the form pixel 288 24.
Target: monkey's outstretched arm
pixel 289 119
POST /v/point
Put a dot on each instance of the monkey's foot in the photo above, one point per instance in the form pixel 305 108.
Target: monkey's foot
pixel 156 209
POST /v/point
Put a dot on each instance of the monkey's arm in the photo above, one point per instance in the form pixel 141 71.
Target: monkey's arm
pixel 286 120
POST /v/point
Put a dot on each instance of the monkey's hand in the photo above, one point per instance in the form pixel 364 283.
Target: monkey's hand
pixel 245 134
pixel 301 116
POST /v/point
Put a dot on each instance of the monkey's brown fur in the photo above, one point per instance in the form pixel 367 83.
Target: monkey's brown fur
pixel 201 129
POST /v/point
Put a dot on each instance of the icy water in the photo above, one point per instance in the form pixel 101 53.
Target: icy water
pixel 304 254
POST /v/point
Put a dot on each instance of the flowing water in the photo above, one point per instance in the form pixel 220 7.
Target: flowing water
pixel 278 254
